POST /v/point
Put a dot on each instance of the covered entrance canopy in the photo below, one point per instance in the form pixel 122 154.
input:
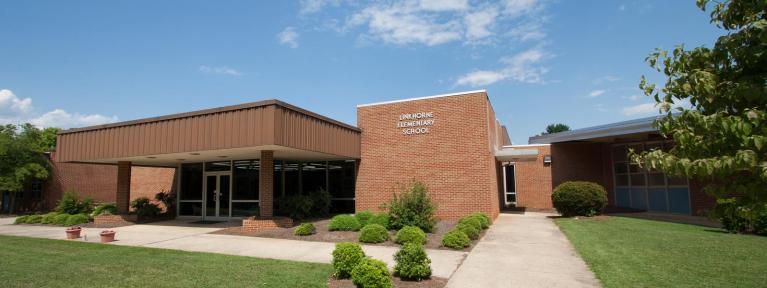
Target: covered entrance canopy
pixel 263 139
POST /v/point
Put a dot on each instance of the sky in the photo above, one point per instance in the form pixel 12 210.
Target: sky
pixel 80 63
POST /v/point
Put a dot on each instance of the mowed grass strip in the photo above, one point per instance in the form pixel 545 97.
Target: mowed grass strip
pixel 32 262
pixel 626 252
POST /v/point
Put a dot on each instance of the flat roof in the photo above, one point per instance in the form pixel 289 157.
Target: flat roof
pixel 423 98
pixel 212 111
pixel 641 125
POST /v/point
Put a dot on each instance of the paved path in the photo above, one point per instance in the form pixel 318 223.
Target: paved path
pixel 179 235
pixel 523 250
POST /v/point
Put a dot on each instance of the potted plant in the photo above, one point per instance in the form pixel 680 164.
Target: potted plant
pixel 74 232
pixel 107 236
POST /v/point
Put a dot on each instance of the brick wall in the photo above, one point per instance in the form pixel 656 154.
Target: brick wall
pixel 534 184
pixel 454 159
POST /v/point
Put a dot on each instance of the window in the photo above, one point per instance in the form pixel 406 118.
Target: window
pixel 190 196
pixel 218 166
pixel 341 178
pixel 314 176
pixel 509 184
pixel 246 173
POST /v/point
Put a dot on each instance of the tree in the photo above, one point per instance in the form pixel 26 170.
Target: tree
pixel 23 162
pixel 722 138
pixel 49 138
pixel 556 128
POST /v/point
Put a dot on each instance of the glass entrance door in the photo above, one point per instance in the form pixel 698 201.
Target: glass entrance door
pixel 217 194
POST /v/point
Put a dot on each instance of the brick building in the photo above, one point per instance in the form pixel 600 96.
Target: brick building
pixel 235 161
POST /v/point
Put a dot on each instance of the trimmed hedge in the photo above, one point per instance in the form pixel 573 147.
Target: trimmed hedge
pixel 21 219
pixel 48 218
pixel 76 219
pixel 483 219
pixel 579 198
pixel 373 233
pixel 61 219
pixel 412 262
pixel 34 219
pixel 470 230
pixel 410 234
pixel 363 217
pixel 346 256
pixel 371 273
pixel 344 222
pixel 304 229
pixel 456 239
pixel 380 219
pixel 471 221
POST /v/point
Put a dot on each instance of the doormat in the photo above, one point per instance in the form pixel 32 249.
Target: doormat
pixel 206 222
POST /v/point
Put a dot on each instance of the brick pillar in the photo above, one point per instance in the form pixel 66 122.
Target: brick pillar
pixel 122 198
pixel 266 184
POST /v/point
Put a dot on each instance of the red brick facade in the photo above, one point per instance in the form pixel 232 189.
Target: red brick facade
pixel 534 181
pixel 455 159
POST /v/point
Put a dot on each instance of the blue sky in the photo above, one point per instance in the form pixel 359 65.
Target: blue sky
pixel 79 63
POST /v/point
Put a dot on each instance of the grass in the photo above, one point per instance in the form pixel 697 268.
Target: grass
pixel 31 262
pixel 626 252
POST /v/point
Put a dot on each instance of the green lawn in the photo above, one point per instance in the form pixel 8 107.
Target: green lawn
pixel 625 252
pixel 31 262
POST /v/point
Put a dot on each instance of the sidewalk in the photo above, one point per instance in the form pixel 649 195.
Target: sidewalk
pixel 196 238
pixel 523 250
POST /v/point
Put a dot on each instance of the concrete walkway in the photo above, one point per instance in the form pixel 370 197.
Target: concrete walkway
pixel 180 235
pixel 523 250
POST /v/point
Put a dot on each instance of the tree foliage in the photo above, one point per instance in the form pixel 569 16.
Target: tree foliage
pixel 556 128
pixel 21 151
pixel 722 137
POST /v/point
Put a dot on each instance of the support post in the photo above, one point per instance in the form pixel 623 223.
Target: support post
pixel 266 184
pixel 122 199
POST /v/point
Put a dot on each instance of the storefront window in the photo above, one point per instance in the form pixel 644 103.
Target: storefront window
pixel 246 173
pixel 191 182
pixel 314 177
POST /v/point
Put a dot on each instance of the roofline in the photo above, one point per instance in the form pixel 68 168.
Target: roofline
pixel 641 125
pixel 249 105
pixel 423 98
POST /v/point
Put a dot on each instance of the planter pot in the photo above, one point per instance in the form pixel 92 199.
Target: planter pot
pixel 74 232
pixel 107 236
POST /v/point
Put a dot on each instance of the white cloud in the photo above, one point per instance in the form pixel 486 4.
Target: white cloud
pixel 522 67
pixel 633 97
pixel 314 6
pixel 223 70
pixel 21 111
pixel 641 109
pixel 478 23
pixel 596 93
pixel 403 23
pixel 289 37
pixel 515 8
pixel 444 5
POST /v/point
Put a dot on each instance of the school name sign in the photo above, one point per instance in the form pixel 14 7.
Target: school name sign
pixel 415 123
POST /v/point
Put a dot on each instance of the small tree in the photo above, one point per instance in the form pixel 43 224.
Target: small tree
pixel 23 162
pixel 412 207
pixel 722 138
pixel 556 128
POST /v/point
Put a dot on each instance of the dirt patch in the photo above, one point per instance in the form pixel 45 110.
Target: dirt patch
pixel 434 282
pixel 434 240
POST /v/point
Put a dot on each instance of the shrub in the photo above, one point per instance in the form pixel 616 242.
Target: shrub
pixel 456 239
pixel 34 219
pixel 76 219
pixel 579 198
pixel 760 221
pixel 410 234
pixel 60 219
pixel 21 219
pixel 295 206
pixel 731 214
pixel 483 219
pixel 373 233
pixel 371 273
pixel 166 198
pixel 363 217
pixel 70 203
pixel 380 219
pixel 471 221
pixel 412 208
pixel 470 230
pixel 304 229
pixel 344 222
pixel 345 257
pixel 104 208
pixel 48 218
pixel 144 207
pixel 412 262
pixel 320 201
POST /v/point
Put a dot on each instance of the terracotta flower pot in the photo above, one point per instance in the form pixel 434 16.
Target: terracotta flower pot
pixel 74 232
pixel 107 236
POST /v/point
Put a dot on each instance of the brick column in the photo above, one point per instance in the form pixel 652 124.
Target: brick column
pixel 122 198
pixel 266 184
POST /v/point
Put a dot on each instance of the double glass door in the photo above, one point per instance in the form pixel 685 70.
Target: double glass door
pixel 217 194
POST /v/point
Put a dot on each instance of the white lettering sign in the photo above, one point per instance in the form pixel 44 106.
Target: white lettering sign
pixel 415 123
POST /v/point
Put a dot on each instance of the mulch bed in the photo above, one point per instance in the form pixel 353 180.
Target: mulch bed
pixel 434 282
pixel 434 240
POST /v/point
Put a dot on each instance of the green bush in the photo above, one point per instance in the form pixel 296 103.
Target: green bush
pixel 732 215
pixel 61 219
pixel 412 262
pixel 21 219
pixel 104 208
pixel 144 207
pixel 363 217
pixel 412 207
pixel 483 219
pixel 320 203
pixel 471 221
pixel 760 221
pixel 344 222
pixel 456 239
pixel 371 273
pixel 345 257
pixel 295 206
pixel 579 198
pixel 410 234
pixel 34 219
pixel 380 219
pixel 304 229
pixel 469 230
pixel 70 203
pixel 48 218
pixel 76 219
pixel 373 233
